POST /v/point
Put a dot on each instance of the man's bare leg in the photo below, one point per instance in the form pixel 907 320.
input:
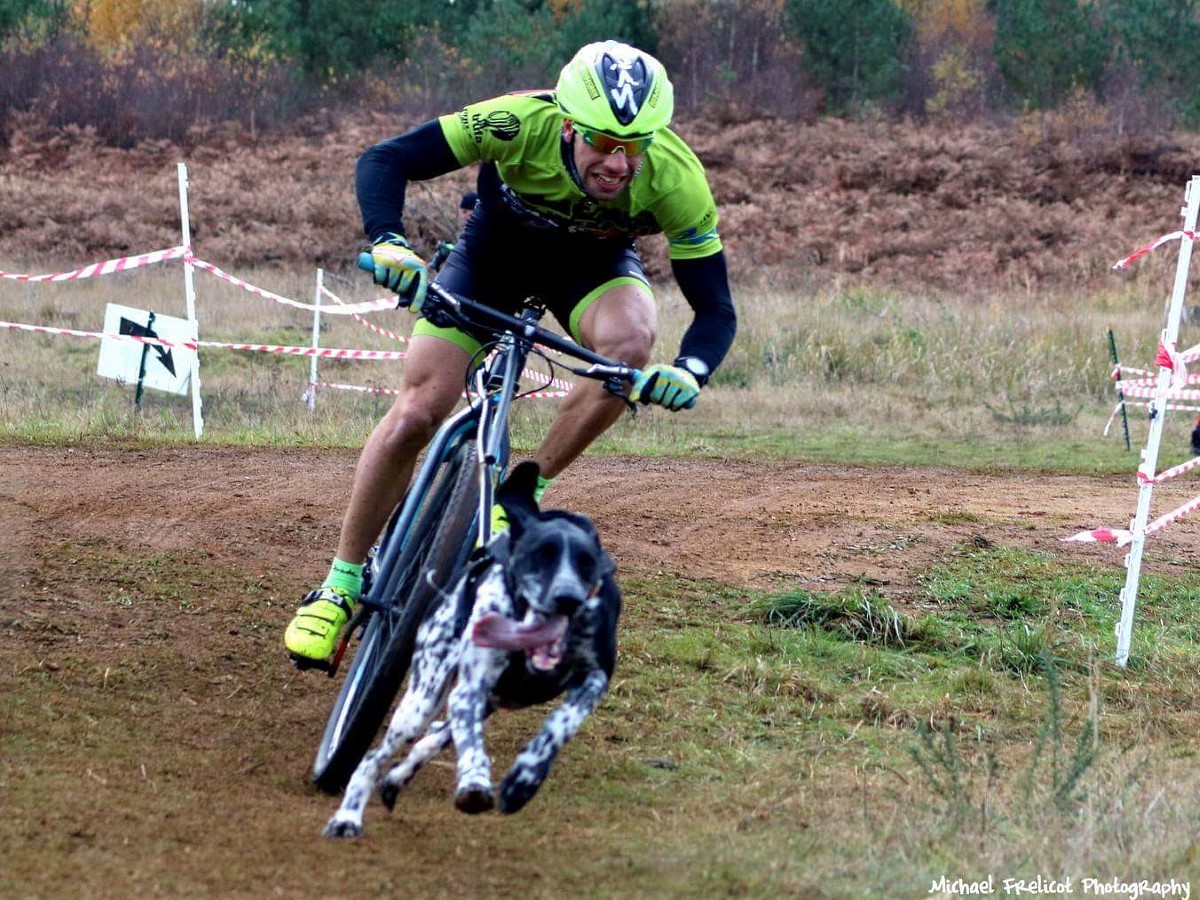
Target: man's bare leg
pixel 431 385
pixel 622 325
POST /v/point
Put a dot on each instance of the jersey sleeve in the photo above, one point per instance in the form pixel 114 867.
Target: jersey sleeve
pixel 491 130
pixel 695 241
pixel 685 210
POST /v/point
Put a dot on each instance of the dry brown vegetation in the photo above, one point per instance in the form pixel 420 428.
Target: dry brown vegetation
pixel 1040 204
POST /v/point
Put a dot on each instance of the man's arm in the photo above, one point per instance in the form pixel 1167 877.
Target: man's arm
pixel 384 171
pixel 705 285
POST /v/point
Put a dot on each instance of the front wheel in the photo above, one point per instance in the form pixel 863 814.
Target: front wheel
pixel 435 550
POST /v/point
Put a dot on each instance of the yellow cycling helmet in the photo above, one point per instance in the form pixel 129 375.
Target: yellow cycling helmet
pixel 617 89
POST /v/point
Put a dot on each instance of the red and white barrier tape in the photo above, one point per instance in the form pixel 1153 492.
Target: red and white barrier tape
pixel 342 305
pixel 1152 246
pixel 1169 356
pixel 1171 406
pixel 1121 536
pixel 358 388
pixel 348 310
pixel 1139 388
pixel 354 310
pixel 563 386
pixel 1147 384
pixel 105 268
pixel 392 392
pixel 531 374
pixel 126 263
pixel 1168 474
pixel 324 352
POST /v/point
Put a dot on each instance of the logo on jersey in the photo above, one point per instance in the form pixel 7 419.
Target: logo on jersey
pixel 628 81
pixel 579 216
pixel 501 124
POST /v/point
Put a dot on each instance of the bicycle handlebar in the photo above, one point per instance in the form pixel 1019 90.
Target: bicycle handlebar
pixel 467 312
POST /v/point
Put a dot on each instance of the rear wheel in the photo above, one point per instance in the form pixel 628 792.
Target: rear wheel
pixel 436 549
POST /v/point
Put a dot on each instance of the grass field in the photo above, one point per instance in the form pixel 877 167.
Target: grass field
pixel 835 372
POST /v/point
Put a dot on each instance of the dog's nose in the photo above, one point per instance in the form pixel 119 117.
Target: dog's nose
pixel 566 604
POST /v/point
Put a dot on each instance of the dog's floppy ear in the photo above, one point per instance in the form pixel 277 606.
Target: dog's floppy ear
pixel 607 566
pixel 516 495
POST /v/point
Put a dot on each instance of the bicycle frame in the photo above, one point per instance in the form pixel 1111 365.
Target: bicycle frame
pixel 496 383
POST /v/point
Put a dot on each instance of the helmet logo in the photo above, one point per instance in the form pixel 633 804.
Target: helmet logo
pixel 628 80
pixel 589 84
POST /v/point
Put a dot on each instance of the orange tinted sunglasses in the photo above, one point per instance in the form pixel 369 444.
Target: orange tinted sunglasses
pixel 607 143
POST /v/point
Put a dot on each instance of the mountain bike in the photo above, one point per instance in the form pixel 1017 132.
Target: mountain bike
pixel 444 515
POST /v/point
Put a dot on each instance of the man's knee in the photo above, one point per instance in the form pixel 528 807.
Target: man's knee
pixel 431 386
pixel 631 346
pixel 409 425
pixel 413 420
pixel 622 325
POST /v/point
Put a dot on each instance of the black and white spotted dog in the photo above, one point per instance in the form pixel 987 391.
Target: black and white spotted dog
pixel 536 616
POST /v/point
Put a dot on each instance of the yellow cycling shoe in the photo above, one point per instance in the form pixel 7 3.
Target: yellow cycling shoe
pixel 499 520
pixel 312 635
pixel 499 524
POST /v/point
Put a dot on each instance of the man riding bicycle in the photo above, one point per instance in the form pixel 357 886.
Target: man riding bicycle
pixel 569 179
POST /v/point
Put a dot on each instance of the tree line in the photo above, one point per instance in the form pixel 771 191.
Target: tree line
pixel 139 69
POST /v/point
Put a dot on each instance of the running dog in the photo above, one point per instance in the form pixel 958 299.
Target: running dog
pixel 535 616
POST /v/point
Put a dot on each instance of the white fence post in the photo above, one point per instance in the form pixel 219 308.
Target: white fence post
pixel 311 394
pixel 1158 414
pixel 189 291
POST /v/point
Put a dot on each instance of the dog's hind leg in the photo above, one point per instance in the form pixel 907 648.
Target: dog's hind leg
pixel 437 658
pixel 411 719
pixel 437 740
pixel 532 764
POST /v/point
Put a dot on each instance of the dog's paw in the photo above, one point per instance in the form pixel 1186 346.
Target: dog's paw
pixel 342 828
pixel 517 789
pixel 388 794
pixel 475 799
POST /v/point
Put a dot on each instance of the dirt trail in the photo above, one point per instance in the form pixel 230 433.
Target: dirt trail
pixel 752 524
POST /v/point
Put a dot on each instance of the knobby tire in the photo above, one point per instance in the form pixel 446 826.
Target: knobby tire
pixel 441 538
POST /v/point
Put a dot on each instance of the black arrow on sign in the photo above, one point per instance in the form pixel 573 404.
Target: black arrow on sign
pixel 128 326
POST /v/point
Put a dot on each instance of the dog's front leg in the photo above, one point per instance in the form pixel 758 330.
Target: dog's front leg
pixel 478 672
pixel 532 764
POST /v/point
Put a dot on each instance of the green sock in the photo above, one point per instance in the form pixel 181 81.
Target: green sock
pixel 346 577
pixel 543 483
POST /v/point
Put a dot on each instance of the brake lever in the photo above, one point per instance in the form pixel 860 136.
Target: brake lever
pixel 616 386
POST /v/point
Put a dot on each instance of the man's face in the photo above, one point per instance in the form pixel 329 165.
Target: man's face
pixel 604 175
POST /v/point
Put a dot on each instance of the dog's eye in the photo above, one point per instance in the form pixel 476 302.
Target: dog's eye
pixel 585 565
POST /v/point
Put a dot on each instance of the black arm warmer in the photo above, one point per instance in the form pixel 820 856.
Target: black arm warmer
pixel 383 172
pixel 705 286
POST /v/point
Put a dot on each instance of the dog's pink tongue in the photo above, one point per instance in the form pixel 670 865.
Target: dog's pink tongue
pixel 501 633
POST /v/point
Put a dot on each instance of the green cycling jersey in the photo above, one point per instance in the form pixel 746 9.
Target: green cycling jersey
pixel 521 134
